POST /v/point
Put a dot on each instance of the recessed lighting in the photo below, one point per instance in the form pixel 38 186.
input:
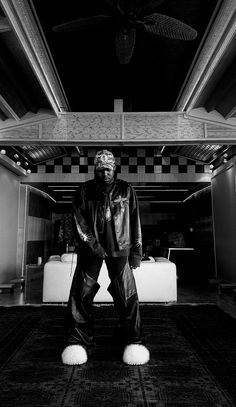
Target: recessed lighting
pixel 64 190
pixel 63 186
pixel 158 201
pixel 162 190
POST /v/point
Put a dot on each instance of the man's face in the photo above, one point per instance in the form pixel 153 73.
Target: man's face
pixel 105 174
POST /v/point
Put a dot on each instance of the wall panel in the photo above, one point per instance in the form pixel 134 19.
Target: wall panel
pixel 9 198
pixel 224 205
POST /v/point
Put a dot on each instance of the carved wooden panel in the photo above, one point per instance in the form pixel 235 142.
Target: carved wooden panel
pixel 118 127
pixel 94 126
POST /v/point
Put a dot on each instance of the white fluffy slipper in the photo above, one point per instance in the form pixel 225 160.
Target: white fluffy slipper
pixel 74 355
pixel 136 354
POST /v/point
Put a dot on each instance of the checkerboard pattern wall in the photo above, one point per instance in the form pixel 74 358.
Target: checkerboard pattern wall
pixel 140 160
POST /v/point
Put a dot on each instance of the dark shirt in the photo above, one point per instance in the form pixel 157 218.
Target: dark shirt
pixel 108 241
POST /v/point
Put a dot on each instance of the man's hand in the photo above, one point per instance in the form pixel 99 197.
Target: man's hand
pixel 101 253
pixel 134 262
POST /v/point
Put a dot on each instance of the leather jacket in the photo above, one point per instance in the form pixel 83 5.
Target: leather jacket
pixel 89 215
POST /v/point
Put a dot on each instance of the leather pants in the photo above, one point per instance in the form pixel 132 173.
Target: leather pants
pixel 79 322
pixel 124 293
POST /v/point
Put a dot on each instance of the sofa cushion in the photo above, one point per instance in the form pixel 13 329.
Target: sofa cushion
pixel 148 259
pixel 55 257
pixel 161 259
pixel 156 281
pixel 69 257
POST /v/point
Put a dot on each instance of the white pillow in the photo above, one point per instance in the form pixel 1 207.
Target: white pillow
pixel 149 259
pixel 161 259
pixel 55 257
pixel 69 257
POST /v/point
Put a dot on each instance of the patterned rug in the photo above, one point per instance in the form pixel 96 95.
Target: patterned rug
pixel 193 360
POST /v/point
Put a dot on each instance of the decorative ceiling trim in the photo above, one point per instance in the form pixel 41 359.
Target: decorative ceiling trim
pixel 12 166
pixel 134 129
pixel 5 106
pixel 200 114
pixel 27 29
pixel 28 119
pixel 218 40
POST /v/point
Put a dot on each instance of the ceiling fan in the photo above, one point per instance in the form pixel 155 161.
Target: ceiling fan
pixel 128 17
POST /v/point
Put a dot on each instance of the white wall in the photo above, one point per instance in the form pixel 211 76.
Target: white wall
pixel 9 198
pixel 21 252
pixel 34 230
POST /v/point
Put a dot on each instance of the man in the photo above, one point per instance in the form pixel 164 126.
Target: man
pixel 107 222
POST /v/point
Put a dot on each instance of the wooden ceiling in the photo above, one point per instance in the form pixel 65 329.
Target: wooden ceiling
pixel 46 72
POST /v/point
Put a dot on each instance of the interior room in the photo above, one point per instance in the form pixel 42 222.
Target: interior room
pixel 154 83
pixel 176 190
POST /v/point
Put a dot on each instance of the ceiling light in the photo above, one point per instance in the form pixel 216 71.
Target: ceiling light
pixel 16 156
pixel 64 190
pixel 148 186
pixel 3 151
pixel 158 151
pixel 18 163
pixel 163 190
pixel 161 202
pixel 63 186
pixel 28 171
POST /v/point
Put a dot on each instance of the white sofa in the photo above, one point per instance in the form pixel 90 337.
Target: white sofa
pixel 155 280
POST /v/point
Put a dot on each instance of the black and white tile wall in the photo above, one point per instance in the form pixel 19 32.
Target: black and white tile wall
pixel 141 160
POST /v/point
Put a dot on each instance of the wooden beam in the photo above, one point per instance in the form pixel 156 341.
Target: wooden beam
pixel 7 109
pixel 17 82
pixel 120 129
pixel 222 99
pixel 221 35
pixel 24 22
pixel 10 101
pixel 11 165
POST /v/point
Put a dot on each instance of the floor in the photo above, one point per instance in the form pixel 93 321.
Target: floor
pixel 188 293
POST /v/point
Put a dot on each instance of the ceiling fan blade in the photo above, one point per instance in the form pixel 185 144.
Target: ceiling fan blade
pixel 160 24
pixel 151 6
pixel 86 23
pixel 4 25
pixel 125 42
pixel 112 3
